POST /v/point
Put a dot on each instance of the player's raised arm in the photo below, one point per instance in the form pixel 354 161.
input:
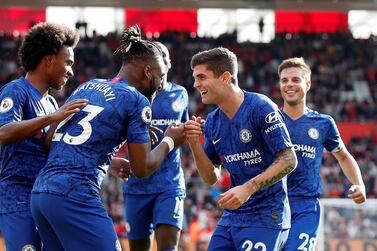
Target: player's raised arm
pixel 20 130
pixel 144 161
pixel 209 172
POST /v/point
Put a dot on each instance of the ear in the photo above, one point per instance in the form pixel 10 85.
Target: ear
pixel 148 72
pixel 225 77
pixel 308 85
pixel 48 60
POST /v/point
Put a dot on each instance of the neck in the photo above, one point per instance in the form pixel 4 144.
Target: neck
pixel 231 101
pixel 127 74
pixel 294 111
pixel 38 81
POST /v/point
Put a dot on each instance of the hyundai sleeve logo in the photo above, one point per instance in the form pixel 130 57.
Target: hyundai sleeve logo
pixel 272 117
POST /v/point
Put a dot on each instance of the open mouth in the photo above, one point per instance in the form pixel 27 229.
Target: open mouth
pixel 290 93
pixel 203 93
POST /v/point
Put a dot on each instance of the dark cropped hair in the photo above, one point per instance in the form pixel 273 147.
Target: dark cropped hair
pixel 134 48
pixel 218 60
pixel 45 39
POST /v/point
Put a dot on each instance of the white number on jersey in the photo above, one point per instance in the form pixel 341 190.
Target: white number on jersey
pixel 248 246
pixel 93 111
pixel 307 240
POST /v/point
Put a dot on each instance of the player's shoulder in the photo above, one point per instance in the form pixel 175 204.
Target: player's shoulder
pixel 257 105
pixel 127 89
pixel 213 115
pixel 312 114
pixel 20 83
pixel 174 87
pixel 18 87
pixel 258 99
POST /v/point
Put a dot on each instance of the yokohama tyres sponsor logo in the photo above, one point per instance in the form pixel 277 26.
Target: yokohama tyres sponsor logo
pixel 249 158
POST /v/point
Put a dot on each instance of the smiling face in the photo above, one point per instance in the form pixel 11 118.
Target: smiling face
pixel 59 69
pixel 207 84
pixel 294 85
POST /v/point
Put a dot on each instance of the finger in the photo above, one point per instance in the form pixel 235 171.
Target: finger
pixel 352 189
pixel 355 189
pixel 354 194
pixel 192 126
pixel 229 203
pixel 192 129
pixel 156 129
pixel 70 112
pixel 153 136
pixel 73 106
pixel 224 197
pixel 178 125
pixel 76 102
pixel 79 100
pixel 192 136
pixel 359 199
pixel 193 133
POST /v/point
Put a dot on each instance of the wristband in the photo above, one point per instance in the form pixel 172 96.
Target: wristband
pixel 168 140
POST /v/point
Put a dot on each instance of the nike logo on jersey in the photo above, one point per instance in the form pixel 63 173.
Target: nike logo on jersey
pixel 216 141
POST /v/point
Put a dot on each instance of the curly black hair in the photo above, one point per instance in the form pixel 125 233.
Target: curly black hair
pixel 45 39
pixel 133 47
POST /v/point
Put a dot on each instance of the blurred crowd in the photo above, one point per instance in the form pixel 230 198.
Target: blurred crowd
pixel 344 85
pixel 348 223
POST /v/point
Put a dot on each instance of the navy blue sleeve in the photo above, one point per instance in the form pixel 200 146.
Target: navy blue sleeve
pixel 139 121
pixel 13 98
pixel 333 141
pixel 272 127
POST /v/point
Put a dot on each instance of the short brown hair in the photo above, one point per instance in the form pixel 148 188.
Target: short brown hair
pixel 295 62
pixel 218 60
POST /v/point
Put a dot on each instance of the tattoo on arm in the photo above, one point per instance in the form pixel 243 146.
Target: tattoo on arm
pixel 288 158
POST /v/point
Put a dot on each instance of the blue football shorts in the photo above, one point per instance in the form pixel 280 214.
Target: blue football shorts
pixel 145 211
pixel 305 220
pixel 247 238
pixel 19 232
pixel 68 224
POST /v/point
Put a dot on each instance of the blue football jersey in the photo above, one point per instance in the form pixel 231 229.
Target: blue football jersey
pixel 246 145
pixel 22 161
pixel 168 106
pixel 310 134
pixel 84 143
